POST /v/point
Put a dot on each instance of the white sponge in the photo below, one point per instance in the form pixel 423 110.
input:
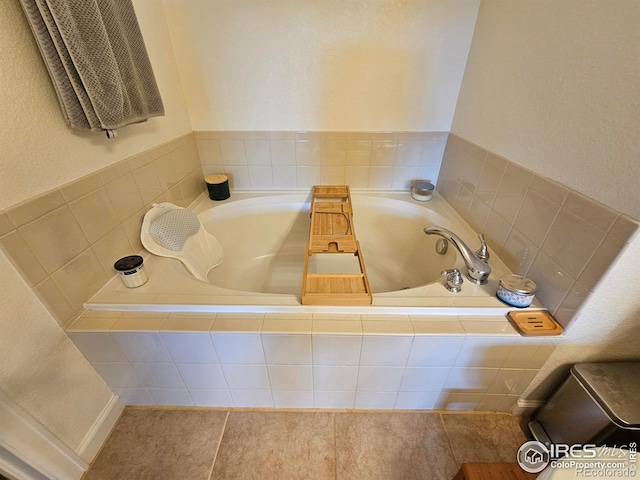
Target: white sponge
pixel 175 232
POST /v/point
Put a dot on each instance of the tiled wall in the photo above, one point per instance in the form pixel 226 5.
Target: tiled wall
pixel 290 160
pixel 558 237
pixel 311 361
pixel 65 241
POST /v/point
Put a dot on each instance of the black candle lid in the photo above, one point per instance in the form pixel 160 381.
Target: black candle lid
pixel 128 263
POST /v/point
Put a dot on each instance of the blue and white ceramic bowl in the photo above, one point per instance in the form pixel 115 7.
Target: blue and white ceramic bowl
pixel 516 290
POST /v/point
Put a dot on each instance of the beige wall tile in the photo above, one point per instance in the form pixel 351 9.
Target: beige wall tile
pixel 112 247
pixel 23 258
pixel 209 151
pixel 333 153
pixel 536 217
pixel 552 280
pixel 148 182
pixel 497 162
pixel 205 134
pixel 181 141
pixel 35 207
pixel 261 176
pixel 95 214
pixel 141 159
pixel 593 212
pixel 380 178
pixel 233 152
pixel 6 225
pixel 488 184
pixel 189 192
pixel 81 187
pixel 332 174
pixel 284 176
pixel 571 242
pixel 473 172
pixel 283 152
pixel 198 180
pixel 166 171
pixel 509 198
pixel 132 228
pixel 383 153
pixel 518 252
pixel 625 228
pixel 55 238
pixel 258 152
pixel 186 159
pixel 359 153
pixel 282 135
pixel 307 152
pixel 114 172
pixel 356 176
pixel 55 301
pixel 496 231
pixel 175 196
pixel 478 214
pixel 549 189
pixel 518 173
pixel 571 304
pixel 599 264
pixel 124 196
pixel 80 279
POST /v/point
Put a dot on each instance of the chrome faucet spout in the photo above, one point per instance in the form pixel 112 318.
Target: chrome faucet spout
pixel 477 270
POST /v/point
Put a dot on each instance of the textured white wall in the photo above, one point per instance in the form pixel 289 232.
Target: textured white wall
pixel 607 330
pixel 321 64
pixel 40 369
pixel 554 86
pixel 39 151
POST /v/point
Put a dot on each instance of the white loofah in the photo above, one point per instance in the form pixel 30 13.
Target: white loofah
pixel 175 232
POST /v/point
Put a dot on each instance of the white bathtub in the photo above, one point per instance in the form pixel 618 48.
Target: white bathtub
pixel 264 237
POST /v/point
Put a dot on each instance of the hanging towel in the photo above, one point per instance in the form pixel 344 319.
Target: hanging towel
pixel 97 61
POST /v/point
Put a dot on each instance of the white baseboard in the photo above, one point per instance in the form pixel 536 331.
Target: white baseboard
pixel 100 430
pixel 25 442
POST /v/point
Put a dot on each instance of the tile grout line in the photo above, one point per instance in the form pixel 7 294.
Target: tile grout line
pixel 215 456
pixel 335 448
pixel 453 453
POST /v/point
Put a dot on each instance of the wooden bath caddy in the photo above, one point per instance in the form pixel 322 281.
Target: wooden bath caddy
pixel 332 233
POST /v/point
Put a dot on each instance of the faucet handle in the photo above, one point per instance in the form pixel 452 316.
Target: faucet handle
pixel 483 252
pixel 454 280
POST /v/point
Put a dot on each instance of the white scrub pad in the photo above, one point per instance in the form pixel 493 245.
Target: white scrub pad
pixel 172 231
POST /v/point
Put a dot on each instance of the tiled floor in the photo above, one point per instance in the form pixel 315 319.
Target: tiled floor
pixel 203 444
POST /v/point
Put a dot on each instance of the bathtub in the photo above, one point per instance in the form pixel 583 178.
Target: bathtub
pixel 264 238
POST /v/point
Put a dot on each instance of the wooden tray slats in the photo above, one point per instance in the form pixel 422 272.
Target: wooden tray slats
pixel 332 231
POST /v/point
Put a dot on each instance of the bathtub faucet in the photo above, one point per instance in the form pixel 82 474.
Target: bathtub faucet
pixel 478 271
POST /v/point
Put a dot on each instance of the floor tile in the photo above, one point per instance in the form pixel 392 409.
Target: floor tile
pixel 276 445
pixel 392 446
pixel 484 437
pixel 160 443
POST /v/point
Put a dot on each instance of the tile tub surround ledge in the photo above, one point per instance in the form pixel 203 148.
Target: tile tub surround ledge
pixel 311 361
pixel 558 237
pixel 64 242
pixel 170 288
pixel 300 159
